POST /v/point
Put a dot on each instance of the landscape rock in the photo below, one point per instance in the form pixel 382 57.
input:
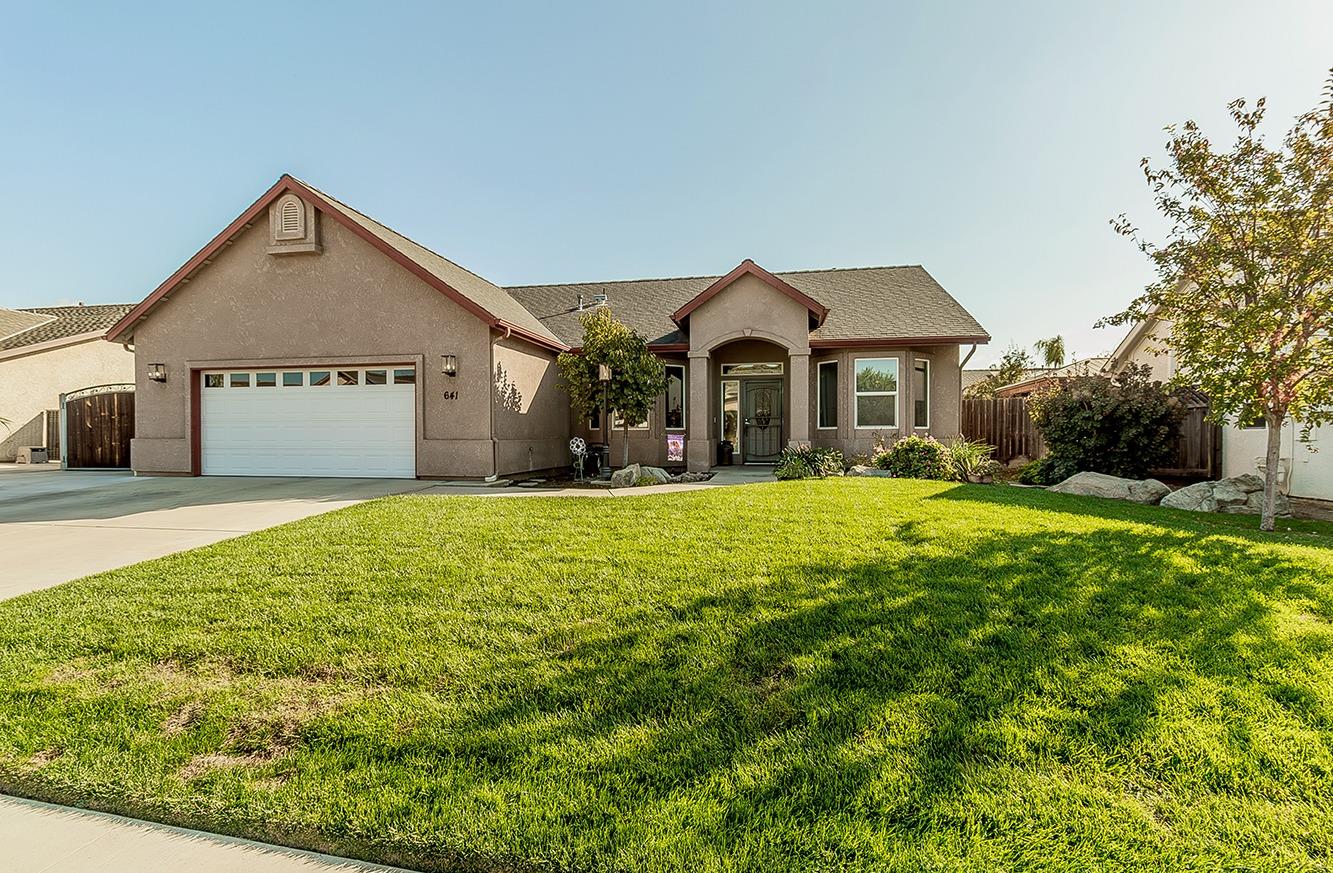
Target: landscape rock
pixel 1144 491
pixel 657 474
pixel 863 470
pixel 1243 495
pixel 681 478
pixel 625 477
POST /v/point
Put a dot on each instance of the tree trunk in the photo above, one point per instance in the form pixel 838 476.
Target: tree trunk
pixel 1271 461
pixel 624 440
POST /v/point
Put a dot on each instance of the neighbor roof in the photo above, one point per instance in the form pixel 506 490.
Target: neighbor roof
pixel 62 322
pixel 478 296
pixel 863 303
pixel 14 321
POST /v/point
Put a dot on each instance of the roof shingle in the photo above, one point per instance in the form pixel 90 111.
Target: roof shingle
pixel 62 322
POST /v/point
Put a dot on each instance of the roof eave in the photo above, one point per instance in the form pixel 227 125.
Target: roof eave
pixel 872 341
pixel 749 267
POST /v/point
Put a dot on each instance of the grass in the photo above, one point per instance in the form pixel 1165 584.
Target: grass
pixel 846 674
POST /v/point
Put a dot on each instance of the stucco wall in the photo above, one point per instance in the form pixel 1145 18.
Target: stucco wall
pixel 32 383
pixel 1309 462
pixel 349 302
pixel 531 411
pixel 646 445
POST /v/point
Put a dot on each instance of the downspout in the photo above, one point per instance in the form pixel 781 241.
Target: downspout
pixel 970 352
pixel 490 391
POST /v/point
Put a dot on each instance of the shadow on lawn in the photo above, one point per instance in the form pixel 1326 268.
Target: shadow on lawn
pixel 874 690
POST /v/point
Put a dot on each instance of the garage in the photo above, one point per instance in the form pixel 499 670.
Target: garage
pixel 325 421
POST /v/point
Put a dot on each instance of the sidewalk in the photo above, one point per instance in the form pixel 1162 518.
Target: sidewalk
pixel 41 838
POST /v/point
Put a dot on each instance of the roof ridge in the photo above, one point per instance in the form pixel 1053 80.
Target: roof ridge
pixel 327 196
pixel 707 276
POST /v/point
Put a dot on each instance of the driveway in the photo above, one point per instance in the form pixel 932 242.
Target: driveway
pixel 59 525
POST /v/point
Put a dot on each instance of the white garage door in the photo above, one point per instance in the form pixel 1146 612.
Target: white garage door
pixel 315 422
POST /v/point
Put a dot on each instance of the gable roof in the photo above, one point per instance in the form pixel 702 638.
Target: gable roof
pixel 480 297
pixel 14 321
pixel 864 305
pixel 65 322
pixel 748 267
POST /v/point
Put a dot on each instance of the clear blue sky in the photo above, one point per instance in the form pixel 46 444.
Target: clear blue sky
pixel 547 142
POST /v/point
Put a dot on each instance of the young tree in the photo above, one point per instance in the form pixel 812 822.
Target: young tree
pixel 1244 289
pixel 1052 351
pixel 637 377
pixel 1010 369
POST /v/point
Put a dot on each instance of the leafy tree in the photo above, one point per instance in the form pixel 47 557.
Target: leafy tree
pixel 1052 351
pixel 1011 368
pixel 1244 288
pixel 1124 426
pixel 637 376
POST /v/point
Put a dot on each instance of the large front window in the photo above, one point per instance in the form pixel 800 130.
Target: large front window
pixel 675 397
pixel 876 392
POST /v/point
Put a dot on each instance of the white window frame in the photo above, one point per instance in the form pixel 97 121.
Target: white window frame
pixel 915 363
pixel 819 396
pixel 896 395
pixel 684 399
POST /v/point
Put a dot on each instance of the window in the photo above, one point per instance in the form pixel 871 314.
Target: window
pixel 876 392
pixel 293 380
pixel 266 380
pixel 921 393
pixel 595 420
pixel 731 411
pixel 319 377
pixel 213 380
pixel 764 369
pixel 404 377
pixel 827 389
pixel 239 380
pixel 349 377
pixel 675 397
pixel 377 377
pixel 618 422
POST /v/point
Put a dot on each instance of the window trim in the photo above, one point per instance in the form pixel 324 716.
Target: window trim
pixel 896 395
pixel 916 362
pixel 819 395
pixel 684 400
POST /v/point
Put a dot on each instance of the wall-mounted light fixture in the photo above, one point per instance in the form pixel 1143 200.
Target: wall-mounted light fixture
pixel 157 372
pixel 449 365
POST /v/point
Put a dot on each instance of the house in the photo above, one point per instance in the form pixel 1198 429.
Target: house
pixel 1036 379
pixel 1306 465
pixel 309 339
pixel 49 351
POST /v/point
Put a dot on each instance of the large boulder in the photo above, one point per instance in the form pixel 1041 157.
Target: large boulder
pixel 863 470
pixel 625 477
pixel 1144 491
pixel 1242 495
pixel 657 474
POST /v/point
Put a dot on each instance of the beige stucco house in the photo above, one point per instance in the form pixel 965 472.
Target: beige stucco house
pixel 49 351
pixel 309 339
pixel 1306 463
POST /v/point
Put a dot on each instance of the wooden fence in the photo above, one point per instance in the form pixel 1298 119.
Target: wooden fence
pixel 1004 422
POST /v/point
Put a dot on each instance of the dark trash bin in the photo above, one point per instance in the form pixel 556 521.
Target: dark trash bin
pixel 726 453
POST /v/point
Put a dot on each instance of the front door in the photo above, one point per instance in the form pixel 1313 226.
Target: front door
pixel 761 420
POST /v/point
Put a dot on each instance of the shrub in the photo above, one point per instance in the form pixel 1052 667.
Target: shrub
pixel 644 480
pixel 916 457
pixel 971 460
pixel 1123 426
pixel 808 462
pixel 1037 472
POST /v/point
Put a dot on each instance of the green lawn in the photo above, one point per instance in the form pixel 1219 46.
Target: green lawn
pixel 848 674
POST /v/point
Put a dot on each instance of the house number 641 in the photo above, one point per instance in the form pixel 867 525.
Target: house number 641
pixel 451 395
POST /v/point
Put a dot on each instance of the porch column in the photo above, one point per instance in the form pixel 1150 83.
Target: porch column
pixel 698 447
pixel 799 429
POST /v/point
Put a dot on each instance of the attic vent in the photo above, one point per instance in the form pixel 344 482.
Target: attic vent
pixel 291 218
pixel 599 300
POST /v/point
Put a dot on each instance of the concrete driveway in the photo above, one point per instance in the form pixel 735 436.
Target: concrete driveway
pixel 59 525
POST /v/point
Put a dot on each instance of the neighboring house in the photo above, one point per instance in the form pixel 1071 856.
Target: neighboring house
pixel 1039 378
pixel 1306 465
pixel 309 339
pixel 49 351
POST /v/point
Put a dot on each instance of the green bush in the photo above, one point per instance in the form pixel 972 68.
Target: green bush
pixel 1124 426
pixel 808 462
pixel 916 457
pixel 971 460
pixel 1037 472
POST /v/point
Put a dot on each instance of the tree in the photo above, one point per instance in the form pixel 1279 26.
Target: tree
pixel 1052 351
pixel 1011 368
pixel 637 376
pixel 1244 288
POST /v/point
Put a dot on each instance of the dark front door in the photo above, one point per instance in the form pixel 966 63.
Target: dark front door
pixel 761 419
